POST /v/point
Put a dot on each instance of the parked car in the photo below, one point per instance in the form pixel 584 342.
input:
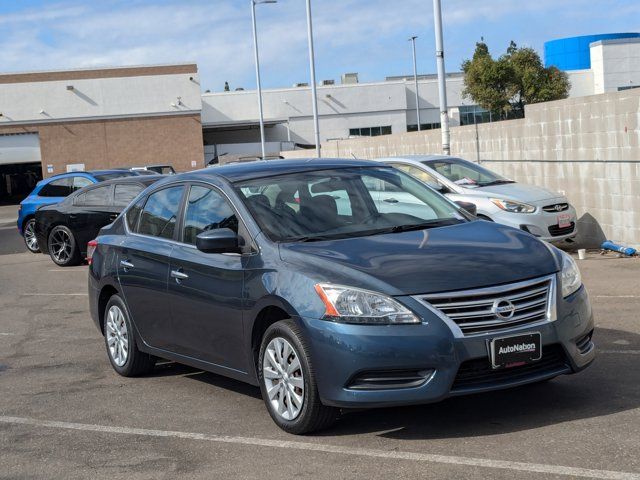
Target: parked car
pixel 63 230
pixel 296 276
pixel 539 211
pixel 52 190
pixel 159 169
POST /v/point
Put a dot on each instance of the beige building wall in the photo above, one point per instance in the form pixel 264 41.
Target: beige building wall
pixel 586 147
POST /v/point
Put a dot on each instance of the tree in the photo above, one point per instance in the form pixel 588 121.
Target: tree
pixel 517 78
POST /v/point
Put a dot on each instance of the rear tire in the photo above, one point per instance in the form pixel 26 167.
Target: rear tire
pixel 288 383
pixel 122 350
pixel 29 236
pixel 63 248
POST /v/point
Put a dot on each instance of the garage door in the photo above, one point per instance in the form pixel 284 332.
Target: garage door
pixel 19 148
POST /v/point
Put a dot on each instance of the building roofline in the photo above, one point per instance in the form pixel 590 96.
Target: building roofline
pixel 615 41
pixel 98 72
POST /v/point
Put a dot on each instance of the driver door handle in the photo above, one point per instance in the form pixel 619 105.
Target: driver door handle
pixel 390 200
pixel 178 275
pixel 126 264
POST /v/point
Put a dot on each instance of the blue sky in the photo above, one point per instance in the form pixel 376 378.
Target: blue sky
pixel 364 36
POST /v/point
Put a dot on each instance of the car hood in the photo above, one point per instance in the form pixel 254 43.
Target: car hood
pixel 469 255
pixel 516 191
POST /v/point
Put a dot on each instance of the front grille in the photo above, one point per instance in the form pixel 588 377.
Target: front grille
pixel 556 231
pixel 557 207
pixel 479 374
pixel 475 311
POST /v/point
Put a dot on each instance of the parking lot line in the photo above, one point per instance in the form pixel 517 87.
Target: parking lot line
pixel 326 448
pixel 54 294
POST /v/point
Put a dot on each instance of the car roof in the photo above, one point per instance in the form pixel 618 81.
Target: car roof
pixel 419 158
pixel 144 179
pixel 235 172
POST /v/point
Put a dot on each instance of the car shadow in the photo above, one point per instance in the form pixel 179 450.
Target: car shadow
pixel 166 368
pixel 608 386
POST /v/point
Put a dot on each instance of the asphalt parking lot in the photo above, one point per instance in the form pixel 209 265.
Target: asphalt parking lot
pixel 65 414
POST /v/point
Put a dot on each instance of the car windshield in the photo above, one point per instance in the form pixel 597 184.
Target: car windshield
pixel 344 203
pixel 101 177
pixel 464 173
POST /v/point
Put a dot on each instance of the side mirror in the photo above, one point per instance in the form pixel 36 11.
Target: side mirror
pixel 219 240
pixel 468 206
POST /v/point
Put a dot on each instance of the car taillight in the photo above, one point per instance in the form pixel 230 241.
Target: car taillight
pixel 91 247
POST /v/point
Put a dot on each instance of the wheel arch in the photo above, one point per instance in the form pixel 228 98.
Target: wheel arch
pixel 106 293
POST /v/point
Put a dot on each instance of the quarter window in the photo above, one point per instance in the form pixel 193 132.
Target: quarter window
pixel 420 175
pixel 80 182
pixel 207 209
pixel 57 188
pixel 160 213
pixel 96 197
pixel 133 214
pixel 125 193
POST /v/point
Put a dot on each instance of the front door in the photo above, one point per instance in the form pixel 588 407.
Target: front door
pixel 205 289
pixel 143 264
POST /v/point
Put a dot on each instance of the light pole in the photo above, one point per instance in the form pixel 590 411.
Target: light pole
pixel 415 78
pixel 442 87
pixel 312 69
pixel 257 60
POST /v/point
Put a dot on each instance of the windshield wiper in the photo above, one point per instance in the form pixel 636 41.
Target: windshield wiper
pixel 495 182
pixel 311 238
pixel 417 226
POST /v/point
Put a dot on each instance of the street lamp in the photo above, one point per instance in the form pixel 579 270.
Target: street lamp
pixel 415 78
pixel 255 53
pixel 442 86
pixel 312 69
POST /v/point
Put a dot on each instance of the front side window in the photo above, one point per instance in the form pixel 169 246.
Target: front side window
pixel 61 187
pixel 465 173
pixel 159 215
pixel 419 174
pixel 96 197
pixel 342 203
pixel 207 209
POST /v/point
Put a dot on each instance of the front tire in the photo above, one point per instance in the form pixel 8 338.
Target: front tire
pixel 122 350
pixel 287 381
pixel 29 235
pixel 63 248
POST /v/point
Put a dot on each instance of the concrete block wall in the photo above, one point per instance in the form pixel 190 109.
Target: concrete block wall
pixel 587 147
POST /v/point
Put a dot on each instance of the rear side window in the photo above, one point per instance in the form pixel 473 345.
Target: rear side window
pixel 125 193
pixel 96 197
pixel 207 209
pixel 61 187
pixel 160 213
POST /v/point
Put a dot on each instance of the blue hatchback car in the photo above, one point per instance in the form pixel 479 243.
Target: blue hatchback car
pixel 333 284
pixel 53 190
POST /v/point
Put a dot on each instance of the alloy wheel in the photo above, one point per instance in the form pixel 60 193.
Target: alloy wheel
pixel 61 246
pixel 117 336
pixel 283 378
pixel 30 236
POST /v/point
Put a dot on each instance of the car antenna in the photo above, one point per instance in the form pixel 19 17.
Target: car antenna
pixel 354 156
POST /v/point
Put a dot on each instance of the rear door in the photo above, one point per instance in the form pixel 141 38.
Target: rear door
pixel 143 264
pixel 205 289
pixel 90 212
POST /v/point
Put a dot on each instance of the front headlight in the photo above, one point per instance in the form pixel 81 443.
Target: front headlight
pixel 355 305
pixel 570 278
pixel 513 206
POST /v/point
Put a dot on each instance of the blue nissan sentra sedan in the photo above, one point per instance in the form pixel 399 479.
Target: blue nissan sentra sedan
pixel 333 284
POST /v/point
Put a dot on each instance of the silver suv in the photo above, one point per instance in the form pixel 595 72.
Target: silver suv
pixel 541 212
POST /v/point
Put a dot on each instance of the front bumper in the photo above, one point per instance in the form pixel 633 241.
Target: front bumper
pixel 543 225
pixel 341 352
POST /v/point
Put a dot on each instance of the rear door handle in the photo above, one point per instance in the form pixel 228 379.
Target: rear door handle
pixel 390 200
pixel 126 264
pixel 178 275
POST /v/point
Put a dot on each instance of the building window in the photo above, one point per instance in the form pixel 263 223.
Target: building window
pixel 423 126
pixel 370 131
pixel 472 114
